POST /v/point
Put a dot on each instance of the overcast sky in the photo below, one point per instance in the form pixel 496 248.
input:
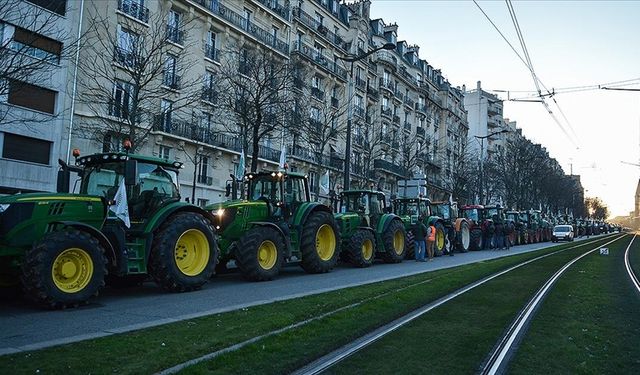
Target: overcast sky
pixel 572 43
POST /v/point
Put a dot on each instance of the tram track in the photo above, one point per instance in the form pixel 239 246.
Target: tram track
pixel 331 359
pixel 627 264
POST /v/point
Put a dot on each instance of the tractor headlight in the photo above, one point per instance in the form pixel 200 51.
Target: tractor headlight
pixel 4 207
pixel 219 212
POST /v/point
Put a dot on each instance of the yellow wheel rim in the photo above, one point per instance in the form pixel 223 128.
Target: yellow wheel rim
pixel 325 242
pixel 267 254
pixel 72 270
pixel 367 249
pixel 439 239
pixel 192 252
pixel 398 242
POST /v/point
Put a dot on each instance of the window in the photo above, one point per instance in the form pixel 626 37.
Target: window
pixel 247 18
pixel 166 107
pixel 28 149
pixel 319 19
pixel 313 180
pixel 203 168
pixel 314 114
pixel 122 98
pixel 174 33
pixel 164 152
pixel 170 77
pixel 113 142
pixel 56 6
pixel 203 202
pixel 126 50
pixel 334 6
pixel 31 96
pixel 208 91
pixel 35 45
pixel 275 34
pixel 316 82
pixel 210 49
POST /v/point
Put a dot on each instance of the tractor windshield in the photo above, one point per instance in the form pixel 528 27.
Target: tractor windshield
pixel 104 179
pixel 443 210
pixel 407 208
pixel 265 187
pixel 493 212
pixel 471 214
pixel 524 217
pixel 355 202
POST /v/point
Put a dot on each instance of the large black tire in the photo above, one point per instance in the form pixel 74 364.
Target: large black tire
pixel 65 269
pixel 187 238
pixel 463 238
pixel 361 248
pixel 255 256
pixel 476 239
pixel 394 239
pixel 441 240
pixel 320 243
pixel 410 245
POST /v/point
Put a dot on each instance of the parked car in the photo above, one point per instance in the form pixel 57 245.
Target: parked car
pixel 562 233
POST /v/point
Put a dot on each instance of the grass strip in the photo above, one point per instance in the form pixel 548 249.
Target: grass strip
pixel 455 338
pixel 589 324
pixel 157 348
pixel 634 257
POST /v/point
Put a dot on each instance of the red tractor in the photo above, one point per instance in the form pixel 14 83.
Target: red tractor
pixel 473 214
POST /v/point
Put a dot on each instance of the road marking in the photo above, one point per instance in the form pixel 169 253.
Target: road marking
pixel 500 356
pixel 627 264
pixel 338 355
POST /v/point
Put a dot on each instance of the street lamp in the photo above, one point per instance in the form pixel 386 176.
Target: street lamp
pixel 482 138
pixel 347 152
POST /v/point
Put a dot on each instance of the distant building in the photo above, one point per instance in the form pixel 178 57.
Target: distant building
pixel 636 213
pixel 485 116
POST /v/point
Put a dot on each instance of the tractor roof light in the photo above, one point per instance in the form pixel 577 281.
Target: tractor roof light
pixel 126 144
pixel 75 152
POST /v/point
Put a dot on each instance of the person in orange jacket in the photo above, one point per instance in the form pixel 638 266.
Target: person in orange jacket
pixel 431 239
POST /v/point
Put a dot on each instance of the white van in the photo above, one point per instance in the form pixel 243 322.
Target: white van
pixel 562 233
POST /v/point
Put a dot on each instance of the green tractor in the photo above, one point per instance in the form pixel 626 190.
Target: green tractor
pixel 63 246
pixel 369 230
pixel 276 222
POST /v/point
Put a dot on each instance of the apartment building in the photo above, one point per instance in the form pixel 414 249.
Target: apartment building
pixel 36 44
pixel 406 117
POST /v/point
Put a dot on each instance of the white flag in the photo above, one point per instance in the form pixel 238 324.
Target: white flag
pixel 451 199
pixel 120 208
pixel 324 183
pixel 283 157
pixel 240 169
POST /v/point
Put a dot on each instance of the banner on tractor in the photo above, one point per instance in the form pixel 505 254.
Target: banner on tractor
pixel 120 208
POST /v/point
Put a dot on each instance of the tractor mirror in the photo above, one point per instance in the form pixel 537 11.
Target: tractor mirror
pixel 62 185
pixel 227 189
pixel 131 172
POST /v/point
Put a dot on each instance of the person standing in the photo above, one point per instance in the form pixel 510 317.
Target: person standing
pixel 431 240
pixel 420 231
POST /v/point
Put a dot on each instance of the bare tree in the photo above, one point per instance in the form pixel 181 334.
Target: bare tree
pixel 375 139
pixel 134 78
pixel 255 95
pixel 32 45
pixel 464 167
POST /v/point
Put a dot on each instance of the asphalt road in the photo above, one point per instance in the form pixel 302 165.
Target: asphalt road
pixel 24 327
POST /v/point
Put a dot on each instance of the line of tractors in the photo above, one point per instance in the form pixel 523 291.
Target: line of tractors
pixel 62 248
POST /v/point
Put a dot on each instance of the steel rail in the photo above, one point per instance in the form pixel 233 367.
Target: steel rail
pixel 627 265
pixel 331 359
pixel 502 353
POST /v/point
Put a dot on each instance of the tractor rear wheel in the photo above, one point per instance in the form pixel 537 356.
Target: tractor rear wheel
pixel 464 237
pixel 65 269
pixel 476 239
pixel 184 253
pixel 361 248
pixel 259 254
pixel 394 239
pixel 411 245
pixel 439 245
pixel 319 245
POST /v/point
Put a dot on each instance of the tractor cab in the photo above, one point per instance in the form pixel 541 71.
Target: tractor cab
pixel 282 192
pixel 445 210
pixel 150 183
pixel 370 205
pixel 412 209
pixel 493 213
pixel 473 213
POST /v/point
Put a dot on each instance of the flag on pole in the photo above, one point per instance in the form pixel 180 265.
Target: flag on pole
pixel 120 207
pixel 240 168
pixel 324 183
pixel 451 199
pixel 283 158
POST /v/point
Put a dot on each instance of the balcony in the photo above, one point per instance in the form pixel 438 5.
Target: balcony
pixel 317 93
pixel 134 9
pixel 390 168
pixel 281 10
pixel 420 132
pixel 171 80
pixel 303 153
pixel 420 107
pixel 387 58
pixel 386 111
pixel 316 56
pixel 174 34
pixel 205 180
pixel 494 108
pixel 212 53
pixel 313 24
pixel 493 122
pixel 388 85
pixel 373 93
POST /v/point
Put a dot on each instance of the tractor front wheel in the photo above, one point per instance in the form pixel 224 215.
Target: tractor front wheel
pixel 361 248
pixel 184 253
pixel 259 254
pixel 319 246
pixel 441 241
pixel 464 237
pixel 394 239
pixel 65 269
pixel 476 239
